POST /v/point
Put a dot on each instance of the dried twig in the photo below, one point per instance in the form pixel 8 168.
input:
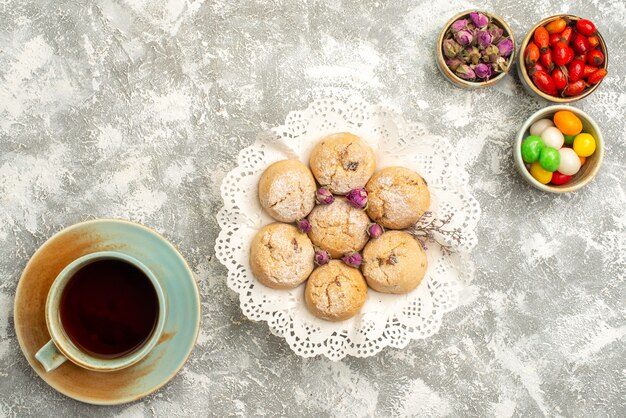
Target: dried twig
pixel 428 226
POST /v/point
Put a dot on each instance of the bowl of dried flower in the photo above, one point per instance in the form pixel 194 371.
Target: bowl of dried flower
pixel 475 49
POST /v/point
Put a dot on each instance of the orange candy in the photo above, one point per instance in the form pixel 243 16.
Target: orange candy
pixel 567 122
pixel 582 160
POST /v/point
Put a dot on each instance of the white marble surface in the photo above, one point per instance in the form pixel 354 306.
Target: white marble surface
pixel 136 109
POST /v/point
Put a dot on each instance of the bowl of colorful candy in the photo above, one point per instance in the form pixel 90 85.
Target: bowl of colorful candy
pixel 559 149
pixel 563 59
pixel 475 49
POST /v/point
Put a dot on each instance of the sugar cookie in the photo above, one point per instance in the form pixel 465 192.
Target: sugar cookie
pixel 287 190
pixel 281 256
pixel 335 291
pixel 342 162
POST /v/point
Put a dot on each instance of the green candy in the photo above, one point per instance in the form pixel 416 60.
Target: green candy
pixel 549 159
pixel 531 148
pixel 569 139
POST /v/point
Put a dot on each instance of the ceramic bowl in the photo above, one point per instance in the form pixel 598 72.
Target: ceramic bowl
pixel 450 75
pixel 528 83
pixel 587 172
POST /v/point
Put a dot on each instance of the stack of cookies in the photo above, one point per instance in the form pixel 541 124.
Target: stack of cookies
pixel 343 234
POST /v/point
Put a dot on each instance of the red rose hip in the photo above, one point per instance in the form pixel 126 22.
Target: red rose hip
pixel 546 60
pixel 537 67
pixel 544 82
pixel 554 38
pixel 566 35
pixel 562 54
pixel 597 76
pixel 560 81
pixel 542 38
pixel 586 27
pixel 580 44
pixel 574 88
pixel 575 69
pixel 595 57
pixel 531 55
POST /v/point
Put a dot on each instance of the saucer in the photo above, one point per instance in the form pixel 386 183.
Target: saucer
pixel 181 294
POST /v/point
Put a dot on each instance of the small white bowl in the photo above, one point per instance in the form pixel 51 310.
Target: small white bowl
pixel 592 164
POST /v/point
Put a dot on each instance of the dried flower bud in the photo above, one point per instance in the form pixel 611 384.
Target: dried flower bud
pixel 500 64
pixel 357 198
pixel 451 48
pixel 483 71
pixel 484 57
pixel 496 32
pixel 459 25
pixel 492 53
pixel 464 37
pixel 506 47
pixel 471 55
pixel 304 225
pixel 465 72
pixel 323 196
pixel 375 230
pixel 479 19
pixel 453 63
pixel 352 259
pixel 484 38
pixel 321 257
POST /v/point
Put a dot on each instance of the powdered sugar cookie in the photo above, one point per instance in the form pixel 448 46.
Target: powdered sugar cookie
pixel 342 162
pixel 397 197
pixel 287 190
pixel 394 263
pixel 281 256
pixel 338 228
pixel 335 291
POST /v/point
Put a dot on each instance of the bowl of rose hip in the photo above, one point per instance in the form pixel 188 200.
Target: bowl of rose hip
pixel 559 149
pixel 475 49
pixel 563 59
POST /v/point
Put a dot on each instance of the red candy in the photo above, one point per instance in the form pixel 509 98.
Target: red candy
pixel 559 178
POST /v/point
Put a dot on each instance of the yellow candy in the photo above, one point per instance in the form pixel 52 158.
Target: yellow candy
pixel 584 145
pixel 541 175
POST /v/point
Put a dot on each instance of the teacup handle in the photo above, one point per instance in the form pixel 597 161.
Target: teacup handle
pixel 50 356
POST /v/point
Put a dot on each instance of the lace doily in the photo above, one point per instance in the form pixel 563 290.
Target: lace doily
pixel 447 231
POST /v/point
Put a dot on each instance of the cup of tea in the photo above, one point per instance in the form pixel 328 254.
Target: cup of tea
pixel 105 311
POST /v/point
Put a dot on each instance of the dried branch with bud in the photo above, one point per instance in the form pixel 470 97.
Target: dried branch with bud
pixel 428 226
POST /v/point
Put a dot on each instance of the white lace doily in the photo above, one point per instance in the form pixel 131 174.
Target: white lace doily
pixel 385 320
